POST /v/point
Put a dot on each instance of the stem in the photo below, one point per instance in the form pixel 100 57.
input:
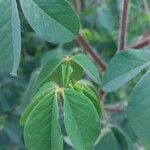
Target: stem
pixel 88 49
pixel 142 43
pixel 115 110
pixel 123 26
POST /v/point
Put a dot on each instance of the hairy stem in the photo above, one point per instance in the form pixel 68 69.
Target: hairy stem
pixel 123 25
pixel 88 49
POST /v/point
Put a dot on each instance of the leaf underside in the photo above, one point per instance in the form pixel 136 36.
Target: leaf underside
pixel 123 67
pixel 138 111
pixel 53 20
pixel 10 37
pixel 88 66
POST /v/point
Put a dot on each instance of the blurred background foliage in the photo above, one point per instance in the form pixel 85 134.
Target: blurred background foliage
pixel 100 24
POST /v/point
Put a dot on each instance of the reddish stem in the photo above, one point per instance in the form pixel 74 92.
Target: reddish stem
pixel 88 49
pixel 123 26
pixel 115 110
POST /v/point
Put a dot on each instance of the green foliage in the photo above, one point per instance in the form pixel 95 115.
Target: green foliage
pixel 59 88
pixel 55 21
pixel 131 64
pixel 81 120
pixel 44 109
pixel 138 109
pixel 10 37
pixel 88 67
pixel 123 67
pixel 42 124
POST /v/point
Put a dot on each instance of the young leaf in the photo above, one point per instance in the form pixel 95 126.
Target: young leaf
pixel 88 90
pixel 43 93
pixel 47 71
pixel 88 66
pixel 81 119
pixel 78 72
pixel 123 67
pixel 138 111
pixel 10 37
pixel 53 20
pixel 66 73
pixel 42 131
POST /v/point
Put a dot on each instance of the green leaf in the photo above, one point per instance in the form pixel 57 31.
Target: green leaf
pixel 105 19
pixel 83 86
pixel 112 138
pixel 81 119
pixel 10 37
pixel 53 20
pixel 77 72
pixel 66 73
pixel 138 111
pixel 43 93
pixel 121 138
pixel 107 141
pixel 88 66
pixel 47 71
pixel 42 130
pixel 123 67
pixel 53 54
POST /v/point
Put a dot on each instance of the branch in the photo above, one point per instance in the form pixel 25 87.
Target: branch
pixel 88 49
pixel 143 41
pixel 123 26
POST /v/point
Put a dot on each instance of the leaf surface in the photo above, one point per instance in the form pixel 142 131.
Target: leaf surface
pixel 82 121
pixel 42 130
pixel 88 66
pixel 47 71
pixel 123 67
pixel 138 111
pixel 43 93
pixel 10 37
pixel 107 141
pixel 66 73
pixel 53 20
pixel 112 138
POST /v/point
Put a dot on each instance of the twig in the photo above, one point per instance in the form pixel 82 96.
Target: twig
pixel 115 110
pixel 142 43
pixel 88 49
pixel 123 26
